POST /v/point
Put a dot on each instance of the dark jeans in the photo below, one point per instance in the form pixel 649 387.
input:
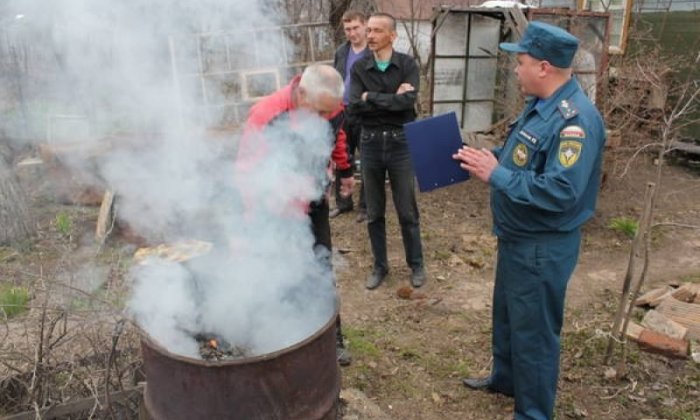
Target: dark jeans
pixel 320 224
pixel 352 130
pixel 385 151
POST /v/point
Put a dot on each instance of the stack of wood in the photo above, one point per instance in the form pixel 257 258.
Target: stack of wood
pixel 672 321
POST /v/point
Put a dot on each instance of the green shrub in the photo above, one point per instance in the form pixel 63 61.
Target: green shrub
pixel 625 225
pixel 13 300
pixel 64 223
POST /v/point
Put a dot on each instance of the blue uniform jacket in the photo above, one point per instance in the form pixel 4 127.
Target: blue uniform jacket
pixel 548 176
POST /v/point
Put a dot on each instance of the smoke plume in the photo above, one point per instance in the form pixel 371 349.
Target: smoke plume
pixel 129 71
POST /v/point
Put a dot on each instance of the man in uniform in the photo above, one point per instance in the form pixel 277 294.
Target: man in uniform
pixel 544 183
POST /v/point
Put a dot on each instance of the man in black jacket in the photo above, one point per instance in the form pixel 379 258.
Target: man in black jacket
pixel 383 95
pixel 355 28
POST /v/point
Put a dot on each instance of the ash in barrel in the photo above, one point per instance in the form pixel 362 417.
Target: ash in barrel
pixel 213 347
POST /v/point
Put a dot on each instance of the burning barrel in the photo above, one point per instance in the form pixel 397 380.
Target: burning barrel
pixel 299 382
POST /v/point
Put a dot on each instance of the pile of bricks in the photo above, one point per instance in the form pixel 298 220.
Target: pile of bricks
pixel 672 321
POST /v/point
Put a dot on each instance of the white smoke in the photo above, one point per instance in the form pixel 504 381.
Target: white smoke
pixel 115 62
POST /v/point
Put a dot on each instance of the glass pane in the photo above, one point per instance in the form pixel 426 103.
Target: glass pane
pixel 323 45
pixel 240 54
pixel 484 36
pixel 481 78
pixel 259 84
pixel 561 4
pixel 445 108
pixel 448 79
pixel 477 116
pixel 299 39
pixel 451 37
pixel 616 8
pixel 214 55
pixel 223 88
pixel 269 48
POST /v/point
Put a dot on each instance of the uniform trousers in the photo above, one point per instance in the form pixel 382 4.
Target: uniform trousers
pixel 528 308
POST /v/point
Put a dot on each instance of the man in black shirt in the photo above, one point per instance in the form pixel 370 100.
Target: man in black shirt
pixel 383 92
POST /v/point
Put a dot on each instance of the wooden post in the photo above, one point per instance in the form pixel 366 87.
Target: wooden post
pixel 645 228
pixel 618 334
pixel 105 220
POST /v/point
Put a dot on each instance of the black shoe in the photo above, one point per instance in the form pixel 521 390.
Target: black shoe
pixel 479 384
pixel 343 355
pixel 361 216
pixel 375 279
pixel 418 277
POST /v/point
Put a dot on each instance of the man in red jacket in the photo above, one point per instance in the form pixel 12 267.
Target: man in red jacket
pixel 318 90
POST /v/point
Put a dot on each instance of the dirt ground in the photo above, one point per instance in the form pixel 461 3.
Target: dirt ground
pixel 410 354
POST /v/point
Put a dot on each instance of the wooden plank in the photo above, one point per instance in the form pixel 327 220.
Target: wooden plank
pixel 688 292
pixel 105 218
pixel 634 330
pixel 518 20
pixel 51 152
pixel 654 297
pixel 72 407
pixel 656 321
pixel 686 314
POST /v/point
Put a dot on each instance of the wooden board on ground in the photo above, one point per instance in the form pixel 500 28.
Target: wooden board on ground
pixel 686 314
pixel 688 292
pixel 658 322
pixel 633 331
pixel 177 252
pixel 654 297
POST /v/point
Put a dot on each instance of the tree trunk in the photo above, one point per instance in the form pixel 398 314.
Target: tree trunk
pixel 338 8
pixel 14 213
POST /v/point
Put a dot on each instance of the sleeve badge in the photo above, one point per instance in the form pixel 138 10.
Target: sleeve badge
pixel 569 152
pixel 520 155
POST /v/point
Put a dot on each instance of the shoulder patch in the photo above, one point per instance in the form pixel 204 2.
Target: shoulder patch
pixel 569 152
pixel 572 132
pixel 567 110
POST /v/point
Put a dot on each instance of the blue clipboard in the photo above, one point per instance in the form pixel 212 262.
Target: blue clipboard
pixel 431 142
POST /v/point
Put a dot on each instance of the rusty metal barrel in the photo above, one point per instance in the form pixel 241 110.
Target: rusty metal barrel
pixel 298 382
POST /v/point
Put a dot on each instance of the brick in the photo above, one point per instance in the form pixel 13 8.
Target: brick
pixel 662 344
